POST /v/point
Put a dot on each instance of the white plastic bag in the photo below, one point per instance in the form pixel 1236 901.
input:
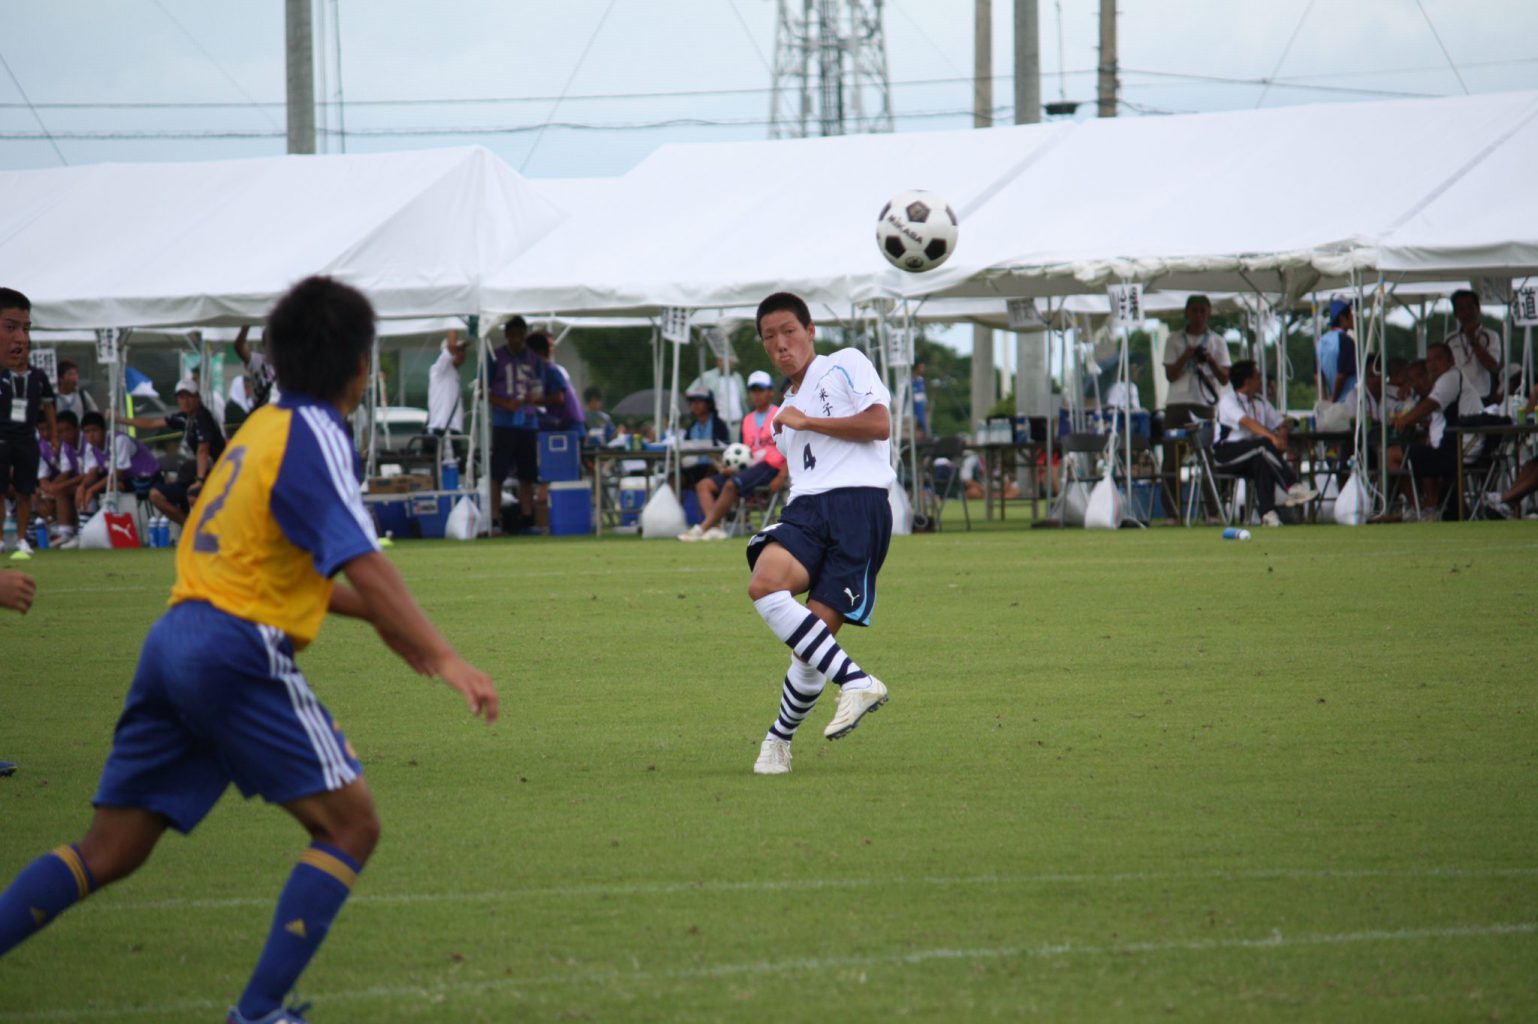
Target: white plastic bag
pixel 1351 504
pixel 1105 506
pixel 464 521
pixel 93 535
pixel 1333 417
pixel 663 516
pixel 902 510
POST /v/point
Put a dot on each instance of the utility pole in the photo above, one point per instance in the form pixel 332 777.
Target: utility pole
pixel 1033 389
pixel 984 388
pixel 1107 77
pixel 301 76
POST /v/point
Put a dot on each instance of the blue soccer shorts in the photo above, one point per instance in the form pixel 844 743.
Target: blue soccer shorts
pixel 840 537
pixel 215 700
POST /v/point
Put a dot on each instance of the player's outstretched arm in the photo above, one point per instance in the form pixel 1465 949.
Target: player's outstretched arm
pixel 870 424
pixel 379 596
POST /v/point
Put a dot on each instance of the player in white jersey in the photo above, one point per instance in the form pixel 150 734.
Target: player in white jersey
pixel 833 427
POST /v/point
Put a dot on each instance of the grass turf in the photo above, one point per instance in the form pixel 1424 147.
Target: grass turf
pixel 1122 776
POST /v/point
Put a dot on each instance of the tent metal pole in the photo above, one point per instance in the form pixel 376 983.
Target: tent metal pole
pixel 117 390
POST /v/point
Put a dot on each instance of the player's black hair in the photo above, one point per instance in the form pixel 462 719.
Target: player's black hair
pixel 1198 300
pixel 518 324
pixel 1242 371
pixel 318 335
pixel 66 365
pixel 93 419
pixel 592 392
pixel 1461 293
pixel 68 416
pixel 783 302
pixel 1443 347
pixel 10 298
pixel 539 341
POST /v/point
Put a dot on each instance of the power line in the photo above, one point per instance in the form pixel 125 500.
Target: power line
pixel 591 39
pixel 1285 51
pixel 250 101
pixel 35 115
pixel 1438 37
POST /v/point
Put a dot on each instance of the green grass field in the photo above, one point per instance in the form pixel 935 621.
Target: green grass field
pixel 1131 776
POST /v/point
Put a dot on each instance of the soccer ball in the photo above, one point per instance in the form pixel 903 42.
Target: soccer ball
pixel 737 456
pixel 916 231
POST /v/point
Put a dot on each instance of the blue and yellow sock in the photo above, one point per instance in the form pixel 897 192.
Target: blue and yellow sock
pixel 314 895
pixel 45 889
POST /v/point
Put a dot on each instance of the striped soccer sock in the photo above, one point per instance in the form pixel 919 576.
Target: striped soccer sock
pixel 809 639
pixel 314 895
pixel 803 685
pixel 45 889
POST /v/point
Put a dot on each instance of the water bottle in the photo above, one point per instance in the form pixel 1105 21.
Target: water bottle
pixel 451 475
pixel 1235 533
pixel 10 531
pixel 162 531
pixel 39 534
pixel 154 531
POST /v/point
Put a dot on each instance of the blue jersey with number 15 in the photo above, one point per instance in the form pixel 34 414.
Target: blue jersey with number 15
pixel 279 515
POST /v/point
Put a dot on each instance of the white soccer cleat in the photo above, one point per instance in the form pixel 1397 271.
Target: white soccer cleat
pixel 714 533
pixel 693 533
pixel 854 705
pixel 1271 519
pixel 1297 494
pixel 773 757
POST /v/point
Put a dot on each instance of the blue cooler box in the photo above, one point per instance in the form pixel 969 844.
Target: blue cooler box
pixel 571 508
pixel 560 455
pixel 431 513
pixel 393 517
pixel 632 499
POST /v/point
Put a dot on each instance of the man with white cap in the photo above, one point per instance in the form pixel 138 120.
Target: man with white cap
pixel 718 493
pixel 204 439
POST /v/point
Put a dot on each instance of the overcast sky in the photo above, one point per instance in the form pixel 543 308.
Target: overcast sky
pixel 76 59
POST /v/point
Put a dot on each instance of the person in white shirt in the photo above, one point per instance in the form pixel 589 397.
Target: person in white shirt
pixel 834 428
pixel 1252 440
pixel 261 378
pixel 1196 364
pixel 1476 349
pixel 445 393
pixel 1452 398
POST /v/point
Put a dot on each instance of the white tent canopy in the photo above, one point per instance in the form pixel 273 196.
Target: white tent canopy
pixel 1284 200
pixel 135 245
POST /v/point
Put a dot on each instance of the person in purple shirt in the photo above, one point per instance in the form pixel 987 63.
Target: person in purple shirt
pixel 57 491
pixel 517 391
pixel 137 468
pixel 562 410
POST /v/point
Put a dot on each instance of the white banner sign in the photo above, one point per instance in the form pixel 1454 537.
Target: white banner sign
pixel 1126 304
pixel 47 360
pixel 675 325
pixel 899 349
pixel 106 346
pixel 1524 306
pixel 1023 315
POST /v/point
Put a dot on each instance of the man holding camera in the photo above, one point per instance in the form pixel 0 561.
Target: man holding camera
pixel 1196 365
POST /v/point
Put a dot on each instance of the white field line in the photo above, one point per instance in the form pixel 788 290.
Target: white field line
pixel 590 978
pixel 786 885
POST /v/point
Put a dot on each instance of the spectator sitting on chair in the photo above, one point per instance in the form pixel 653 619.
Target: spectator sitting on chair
pixel 600 425
pixel 719 493
pixel 1476 349
pixel 1252 441
pixel 1196 364
pixel 201 435
pixel 1450 399
pixel 1508 503
pixel 137 468
pixel 707 427
pixel 59 488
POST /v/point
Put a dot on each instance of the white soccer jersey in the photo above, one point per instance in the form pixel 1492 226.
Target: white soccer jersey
pixel 843 384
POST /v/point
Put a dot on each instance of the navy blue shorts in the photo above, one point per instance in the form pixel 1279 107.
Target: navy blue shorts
pixel 748 480
pixel 217 700
pixel 840 537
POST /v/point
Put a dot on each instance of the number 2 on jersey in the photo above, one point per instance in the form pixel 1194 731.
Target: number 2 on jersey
pixel 202 540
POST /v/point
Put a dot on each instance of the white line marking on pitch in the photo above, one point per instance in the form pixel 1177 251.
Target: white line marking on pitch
pixel 1274 940
pixel 676 888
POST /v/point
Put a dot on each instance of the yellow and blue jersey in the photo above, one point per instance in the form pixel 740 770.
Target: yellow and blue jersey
pixel 279 515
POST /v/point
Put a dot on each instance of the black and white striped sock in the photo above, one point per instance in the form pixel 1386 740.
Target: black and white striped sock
pixel 803 685
pixel 809 639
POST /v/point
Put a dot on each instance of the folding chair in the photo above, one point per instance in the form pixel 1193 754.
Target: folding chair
pixel 749 505
pixel 1217 478
pixel 945 480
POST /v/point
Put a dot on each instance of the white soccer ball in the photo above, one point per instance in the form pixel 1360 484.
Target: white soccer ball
pixel 737 456
pixel 916 231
